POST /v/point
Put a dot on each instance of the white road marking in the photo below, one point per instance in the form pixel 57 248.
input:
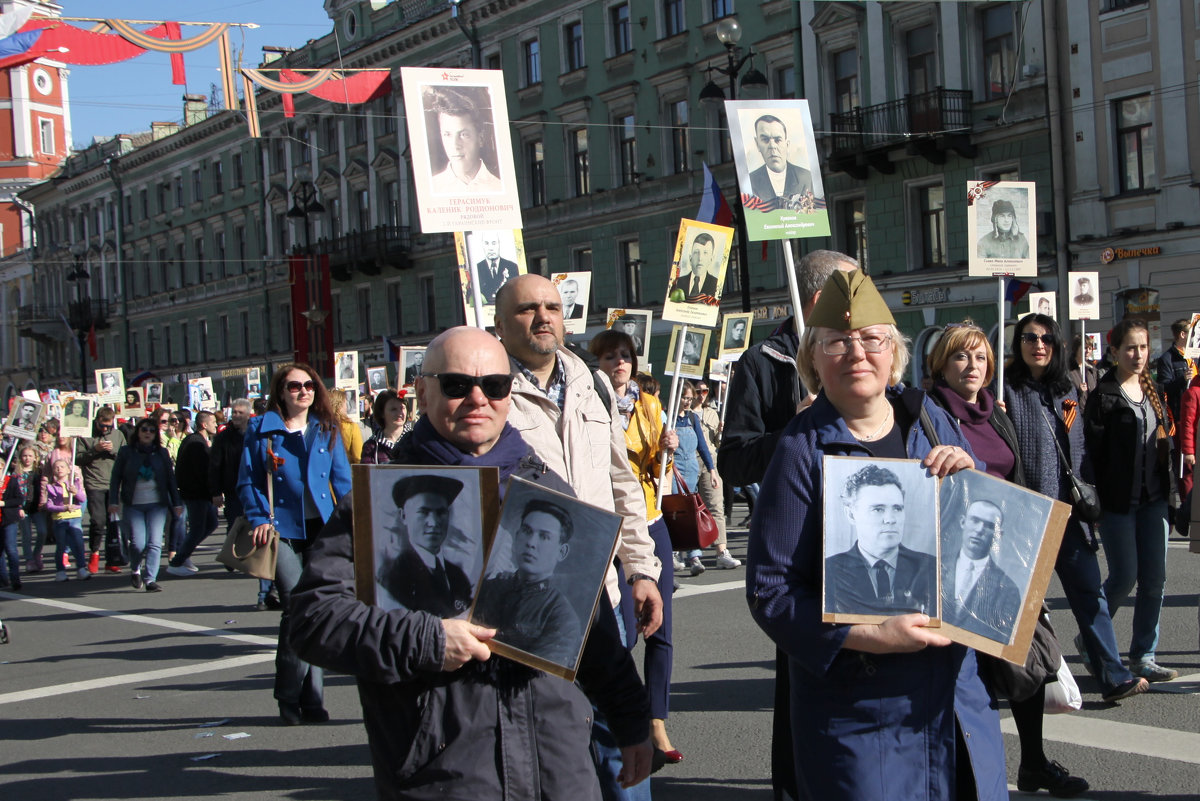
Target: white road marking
pixel 1127 738
pixel 704 589
pixel 173 672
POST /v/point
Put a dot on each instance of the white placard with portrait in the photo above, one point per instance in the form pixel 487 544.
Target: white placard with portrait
pixel 1083 295
pixel 1002 228
pixel 575 289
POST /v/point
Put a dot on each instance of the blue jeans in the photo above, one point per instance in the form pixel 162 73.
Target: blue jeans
pixel 68 534
pixel 1136 546
pixel 201 521
pixel 1079 571
pixel 10 564
pixel 147 523
pixel 29 543
pixel 296 681
pixel 606 754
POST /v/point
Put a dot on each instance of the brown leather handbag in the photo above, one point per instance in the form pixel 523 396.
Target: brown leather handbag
pixel 688 520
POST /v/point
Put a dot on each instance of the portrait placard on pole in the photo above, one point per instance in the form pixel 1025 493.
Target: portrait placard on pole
pixel 636 323
pixel 488 258
pixel 697 276
pixel 1083 299
pixel 779 175
pixel 1002 228
pixel 461 149
pixel 1043 303
pixel 695 350
pixel 735 333
pixel 110 384
pixel 345 375
pixel 575 289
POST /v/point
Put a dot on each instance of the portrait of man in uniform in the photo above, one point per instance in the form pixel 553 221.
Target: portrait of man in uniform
pixel 878 574
pixel 493 269
pixel 1004 240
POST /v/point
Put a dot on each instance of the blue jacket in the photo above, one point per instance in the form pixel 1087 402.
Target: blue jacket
pixel 867 727
pixel 320 466
pixel 125 470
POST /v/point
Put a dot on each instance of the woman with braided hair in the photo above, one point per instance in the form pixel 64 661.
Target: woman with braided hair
pixel 1128 437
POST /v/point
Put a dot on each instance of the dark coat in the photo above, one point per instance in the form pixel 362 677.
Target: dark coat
pixel 224 459
pixel 707 287
pixel 1111 433
pixel 768 390
pixel 14 500
pixel 125 473
pixel 493 730
pixel 848 585
pixel 412 585
pixel 489 284
pixel 866 726
pixel 798 180
pixel 191 468
pixel 992 607
pixel 1173 375
pixel 532 616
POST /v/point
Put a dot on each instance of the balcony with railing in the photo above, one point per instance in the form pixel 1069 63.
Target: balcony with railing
pixel 367 252
pixel 928 124
pixel 56 323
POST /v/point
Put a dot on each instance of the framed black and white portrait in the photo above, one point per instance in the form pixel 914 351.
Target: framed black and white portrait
pixel 735 333
pixel 998 546
pixel 881 551
pixel 254 382
pixel 637 324
pixel 487 260
pixel 77 414
pixel 110 385
pixel 691 348
pixel 135 404
pixel 412 361
pixel 1084 299
pixel 544 576
pixel 575 289
pixel 345 369
pixel 420 535
pixel 697 277
pixel 24 418
pixel 1001 222
pixel 377 379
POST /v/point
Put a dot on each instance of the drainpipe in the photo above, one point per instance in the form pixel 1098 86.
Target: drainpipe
pixel 1058 123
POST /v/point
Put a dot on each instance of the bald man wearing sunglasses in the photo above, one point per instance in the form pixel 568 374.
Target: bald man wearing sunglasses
pixel 411 659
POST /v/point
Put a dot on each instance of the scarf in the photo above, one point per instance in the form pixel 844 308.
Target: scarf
pixel 626 402
pixel 429 447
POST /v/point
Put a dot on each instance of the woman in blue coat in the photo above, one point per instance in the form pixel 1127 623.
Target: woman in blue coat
pixel 879 711
pixel 298 436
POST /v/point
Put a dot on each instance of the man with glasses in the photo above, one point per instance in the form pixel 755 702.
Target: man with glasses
pixel 402 654
pixel 191 471
pixel 95 456
pixel 558 408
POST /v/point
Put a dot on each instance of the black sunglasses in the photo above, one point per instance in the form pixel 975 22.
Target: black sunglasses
pixel 296 386
pixel 496 386
pixel 1030 338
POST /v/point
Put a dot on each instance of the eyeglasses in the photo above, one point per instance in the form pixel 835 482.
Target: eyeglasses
pixel 295 386
pixel 164 422
pixel 496 386
pixel 702 390
pixel 1030 338
pixel 147 430
pixel 840 346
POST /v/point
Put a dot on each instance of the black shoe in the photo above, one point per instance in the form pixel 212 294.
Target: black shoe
pixel 316 714
pixel 152 586
pixel 1053 777
pixel 273 601
pixel 1125 689
pixel 135 580
pixel 261 606
pixel 289 713
pixel 16 585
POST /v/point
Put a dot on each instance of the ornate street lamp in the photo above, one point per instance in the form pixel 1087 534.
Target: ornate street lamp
pixel 304 204
pixel 80 312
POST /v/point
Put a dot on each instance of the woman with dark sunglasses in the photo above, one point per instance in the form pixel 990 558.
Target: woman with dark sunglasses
pixel 1044 406
pixel 298 441
pixel 144 492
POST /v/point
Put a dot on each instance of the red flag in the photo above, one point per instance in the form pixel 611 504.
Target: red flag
pixel 178 75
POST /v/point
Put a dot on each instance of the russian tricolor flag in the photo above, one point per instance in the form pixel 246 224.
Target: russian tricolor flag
pixel 713 208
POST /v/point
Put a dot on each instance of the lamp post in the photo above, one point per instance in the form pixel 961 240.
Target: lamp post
pixel 304 203
pixel 81 310
pixel 754 87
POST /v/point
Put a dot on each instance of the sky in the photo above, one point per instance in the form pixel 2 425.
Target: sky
pixel 127 97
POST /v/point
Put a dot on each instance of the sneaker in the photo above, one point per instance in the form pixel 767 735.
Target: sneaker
pixel 725 560
pixel 679 565
pixel 83 573
pixel 60 575
pixel 189 567
pixel 261 606
pixel 135 580
pixel 113 568
pixel 1053 777
pixel 152 586
pixel 272 601
pixel 697 567
pixel 1153 672
pixel 37 564
pixel 180 570
pixel 1083 655
pixel 93 564
pixel 1126 689
pixel 66 562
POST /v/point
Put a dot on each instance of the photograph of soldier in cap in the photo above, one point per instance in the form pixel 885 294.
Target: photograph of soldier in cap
pixel 544 575
pixel 1004 240
pixel 1001 222
pixel 423 559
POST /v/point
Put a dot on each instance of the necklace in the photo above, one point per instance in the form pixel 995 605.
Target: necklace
pixel 875 434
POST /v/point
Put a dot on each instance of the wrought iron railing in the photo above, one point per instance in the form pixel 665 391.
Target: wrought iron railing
pixel 896 122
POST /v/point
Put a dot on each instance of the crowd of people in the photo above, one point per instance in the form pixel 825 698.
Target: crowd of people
pixel 896 708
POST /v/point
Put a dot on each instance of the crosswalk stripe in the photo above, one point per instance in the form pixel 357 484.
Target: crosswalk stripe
pixel 1127 738
pixel 704 589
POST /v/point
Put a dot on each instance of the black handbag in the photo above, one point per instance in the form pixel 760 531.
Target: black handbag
pixel 1084 498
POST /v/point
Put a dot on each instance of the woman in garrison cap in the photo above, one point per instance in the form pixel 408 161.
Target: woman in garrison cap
pixel 879 711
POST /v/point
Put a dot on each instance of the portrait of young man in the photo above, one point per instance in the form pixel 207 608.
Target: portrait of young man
pixel 462 139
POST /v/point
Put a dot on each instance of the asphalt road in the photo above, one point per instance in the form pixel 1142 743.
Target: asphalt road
pixel 108 693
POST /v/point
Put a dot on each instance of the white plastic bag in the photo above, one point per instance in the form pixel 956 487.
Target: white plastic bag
pixel 1063 696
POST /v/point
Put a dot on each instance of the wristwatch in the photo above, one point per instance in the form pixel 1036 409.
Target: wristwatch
pixel 642 577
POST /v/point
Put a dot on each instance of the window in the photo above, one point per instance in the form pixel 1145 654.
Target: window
pixel 725 145
pixel 335 217
pixel 672 11
pixel 198 249
pixel 931 210
pixel 202 331
pixel 622 33
pixel 219 241
pixel 733 274
pixel 387 115
pixel 364 313
pixel 535 158
pixel 163 193
pixel 919 47
pixel 785 83
pixel 144 202
pixel 46 136
pixel 1135 143
pixel 852 215
pixel 279 155
pixel 679 136
pixel 331 135
pixel 335 321
pixel 360 124
pixel 362 213
pixel 218 178
pixel 187 343
pixel 285 325
pixel 244 320
pixel 581 260
pixel 180 265
pixel 239 171
pixel 720 8
pixel 631 265
pixel 579 153
pixel 493 61
pixel 391 194
pixel 428 303
pixel 166 338
pixel 536 264
pixel 845 80
pixel 281 233
pixel 1114 5
pixel 999 55
pixel 222 349
pixel 239 249
pixel 395 296
pixel 626 148
pixel 533 62
pixel 164 280
pixel 573 45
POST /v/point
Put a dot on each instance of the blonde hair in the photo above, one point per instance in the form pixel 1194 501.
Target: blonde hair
pixel 808 345
pixel 961 336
